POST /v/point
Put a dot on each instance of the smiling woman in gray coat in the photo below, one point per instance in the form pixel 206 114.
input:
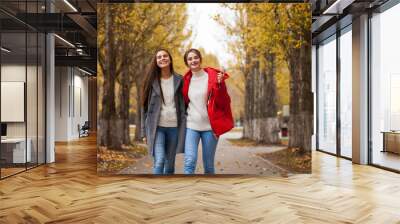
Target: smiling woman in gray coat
pixel 163 113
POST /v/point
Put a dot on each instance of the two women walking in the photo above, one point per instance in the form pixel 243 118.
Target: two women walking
pixel 178 112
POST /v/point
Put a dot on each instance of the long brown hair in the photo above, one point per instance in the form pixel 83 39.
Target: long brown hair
pixel 154 73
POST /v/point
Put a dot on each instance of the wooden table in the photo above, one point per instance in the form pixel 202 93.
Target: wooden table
pixel 13 150
pixel 391 141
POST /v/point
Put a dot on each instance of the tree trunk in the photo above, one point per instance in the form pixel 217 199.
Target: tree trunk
pixel 256 103
pixel 249 104
pixel 108 104
pixel 124 108
pixel 270 122
pixel 138 118
pixel 301 99
pixel 261 123
pixel 246 118
pixel 108 115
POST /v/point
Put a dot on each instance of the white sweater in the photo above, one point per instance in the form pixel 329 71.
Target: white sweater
pixel 197 118
pixel 168 110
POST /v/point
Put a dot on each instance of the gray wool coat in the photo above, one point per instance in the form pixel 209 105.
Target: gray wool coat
pixel 151 117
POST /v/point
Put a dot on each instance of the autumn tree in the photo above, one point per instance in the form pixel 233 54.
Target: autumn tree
pixel 293 25
pixel 257 60
pixel 129 35
pixel 265 36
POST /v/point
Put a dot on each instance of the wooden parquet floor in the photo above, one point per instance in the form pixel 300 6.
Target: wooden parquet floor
pixel 70 191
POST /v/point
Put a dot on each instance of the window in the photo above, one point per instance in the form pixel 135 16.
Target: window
pixel 385 88
pixel 346 92
pixel 22 65
pixel 327 95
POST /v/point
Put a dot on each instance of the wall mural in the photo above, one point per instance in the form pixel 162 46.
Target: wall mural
pixel 204 88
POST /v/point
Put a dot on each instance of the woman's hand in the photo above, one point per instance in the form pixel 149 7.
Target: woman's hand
pixel 145 140
pixel 215 136
pixel 219 77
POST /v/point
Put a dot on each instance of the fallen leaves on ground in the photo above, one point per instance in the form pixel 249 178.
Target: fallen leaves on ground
pixel 290 159
pixel 112 161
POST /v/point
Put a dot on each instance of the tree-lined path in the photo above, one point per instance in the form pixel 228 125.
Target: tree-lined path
pixel 229 159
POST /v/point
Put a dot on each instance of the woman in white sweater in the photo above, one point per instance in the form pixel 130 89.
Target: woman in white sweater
pixel 163 113
pixel 208 111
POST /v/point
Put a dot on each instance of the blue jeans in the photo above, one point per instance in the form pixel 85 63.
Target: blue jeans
pixel 165 150
pixel 209 144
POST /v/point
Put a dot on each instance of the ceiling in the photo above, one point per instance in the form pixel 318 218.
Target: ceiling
pixel 76 22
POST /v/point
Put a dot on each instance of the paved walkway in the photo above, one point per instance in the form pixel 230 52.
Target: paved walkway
pixel 229 159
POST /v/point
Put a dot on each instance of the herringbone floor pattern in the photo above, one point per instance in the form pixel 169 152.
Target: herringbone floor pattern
pixel 70 191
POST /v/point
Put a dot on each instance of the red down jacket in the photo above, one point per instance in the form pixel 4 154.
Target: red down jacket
pixel 218 105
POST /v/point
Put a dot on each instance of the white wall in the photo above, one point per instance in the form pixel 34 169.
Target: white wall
pixel 13 100
pixel 33 126
pixel 80 111
pixel 71 94
pixel 61 103
pixel 12 73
